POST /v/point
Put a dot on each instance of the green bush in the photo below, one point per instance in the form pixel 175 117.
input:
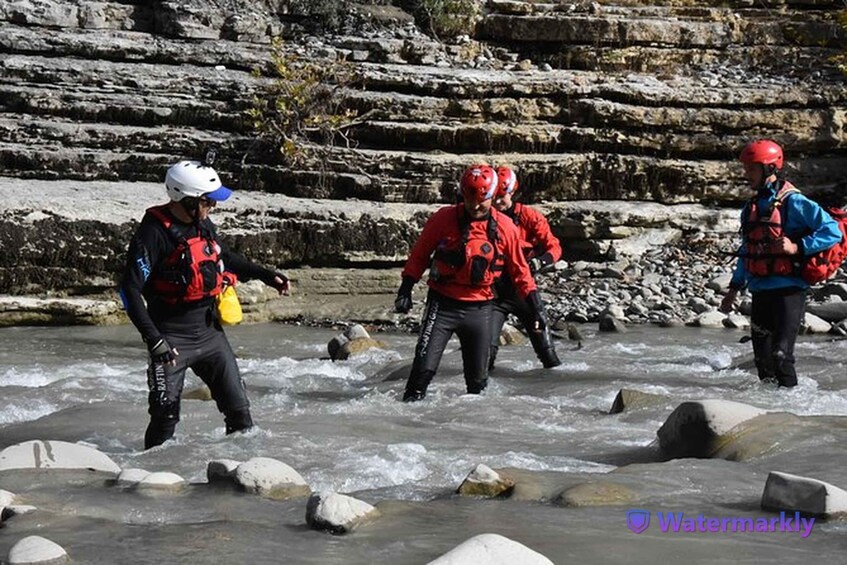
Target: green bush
pixel 301 109
pixel 445 18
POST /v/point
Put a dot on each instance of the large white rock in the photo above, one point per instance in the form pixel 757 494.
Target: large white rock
pixel 784 491
pixel 337 513
pixel 694 428
pixel 6 498
pixel 491 549
pixel 815 325
pixel 161 480
pixel 131 476
pixel 55 455
pixel 270 478
pixel 36 549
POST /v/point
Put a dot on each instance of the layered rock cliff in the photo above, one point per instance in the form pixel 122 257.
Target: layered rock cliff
pixel 622 102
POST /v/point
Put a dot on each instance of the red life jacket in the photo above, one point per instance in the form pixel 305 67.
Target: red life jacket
pixel 193 271
pixel 761 230
pixel 468 260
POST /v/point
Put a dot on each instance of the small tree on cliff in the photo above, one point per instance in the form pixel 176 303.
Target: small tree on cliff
pixel 445 18
pixel 301 110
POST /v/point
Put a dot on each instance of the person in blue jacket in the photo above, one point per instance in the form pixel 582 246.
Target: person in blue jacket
pixel 779 227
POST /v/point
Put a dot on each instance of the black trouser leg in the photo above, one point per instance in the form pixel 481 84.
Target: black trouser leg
pixel 437 327
pixel 473 332
pixel 165 385
pixel 542 342
pixel 218 368
pixel 776 318
pixel 499 313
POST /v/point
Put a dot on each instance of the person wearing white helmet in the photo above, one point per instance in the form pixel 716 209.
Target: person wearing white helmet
pixel 176 266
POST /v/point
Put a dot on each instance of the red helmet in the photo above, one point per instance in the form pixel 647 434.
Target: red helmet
pixel 507 181
pixel 762 151
pixel 479 183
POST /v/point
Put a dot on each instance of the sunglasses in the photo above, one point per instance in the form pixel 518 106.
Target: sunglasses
pixel 208 202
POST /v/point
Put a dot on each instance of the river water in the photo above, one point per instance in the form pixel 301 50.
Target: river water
pixel 342 427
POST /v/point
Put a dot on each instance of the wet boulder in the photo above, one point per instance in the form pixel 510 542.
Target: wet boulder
pixel 695 429
pixel 270 478
pixel 201 392
pixel 221 470
pixel 55 455
pixel 600 493
pixel 491 549
pixel 131 476
pixel 161 481
pixel 628 399
pixel 13 510
pixel 484 481
pixel 829 311
pixel 36 549
pixel 352 341
pixel 814 325
pixel 337 513
pixel 784 491
pixel 510 335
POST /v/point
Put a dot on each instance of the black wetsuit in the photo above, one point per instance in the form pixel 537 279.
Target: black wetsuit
pixel 443 316
pixel 191 328
pixel 508 302
pixel 775 322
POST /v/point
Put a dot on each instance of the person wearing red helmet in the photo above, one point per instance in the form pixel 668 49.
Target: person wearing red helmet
pixel 779 227
pixel 466 247
pixel 541 249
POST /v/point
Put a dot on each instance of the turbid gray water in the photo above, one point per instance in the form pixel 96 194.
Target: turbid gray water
pixel 341 425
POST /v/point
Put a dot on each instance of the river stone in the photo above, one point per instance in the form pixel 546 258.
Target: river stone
pixel 270 478
pixel 484 481
pixel 201 392
pixel 6 498
pixel 814 325
pixel 597 494
pixel 221 470
pixel 131 476
pixel 628 399
pixel 38 454
pixel 784 491
pixel 711 319
pixel 694 429
pixel 829 311
pixel 16 510
pixel 736 321
pixel 337 513
pixel 609 323
pixel 161 480
pixel 36 549
pixel 510 335
pixel 359 345
pixel 491 549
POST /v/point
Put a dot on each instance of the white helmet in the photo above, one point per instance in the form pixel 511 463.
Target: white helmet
pixel 193 179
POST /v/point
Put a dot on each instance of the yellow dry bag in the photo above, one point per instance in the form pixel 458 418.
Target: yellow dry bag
pixel 229 309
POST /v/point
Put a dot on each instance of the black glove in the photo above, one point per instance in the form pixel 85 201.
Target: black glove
pixel 537 264
pixel 282 285
pixel 533 299
pixel 161 353
pixel 403 302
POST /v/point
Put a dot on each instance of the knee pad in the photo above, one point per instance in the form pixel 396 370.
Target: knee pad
pixel 238 420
